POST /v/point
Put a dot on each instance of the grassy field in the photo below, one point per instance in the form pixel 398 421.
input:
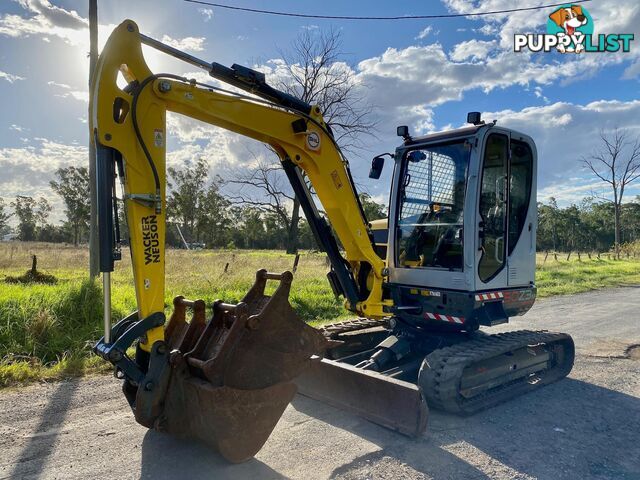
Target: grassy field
pixel 46 330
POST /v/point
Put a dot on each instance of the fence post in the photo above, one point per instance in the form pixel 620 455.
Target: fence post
pixel 226 267
pixel 295 262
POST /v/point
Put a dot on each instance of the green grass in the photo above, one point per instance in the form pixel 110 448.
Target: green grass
pixel 46 331
pixel 567 277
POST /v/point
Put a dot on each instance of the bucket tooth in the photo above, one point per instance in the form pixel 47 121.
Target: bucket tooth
pixel 258 342
pixel 229 380
pixel 181 335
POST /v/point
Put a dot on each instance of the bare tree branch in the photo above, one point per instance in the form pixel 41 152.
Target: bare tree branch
pixel 617 164
pixel 312 70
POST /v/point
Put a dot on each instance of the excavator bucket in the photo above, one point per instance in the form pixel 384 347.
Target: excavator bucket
pixel 227 381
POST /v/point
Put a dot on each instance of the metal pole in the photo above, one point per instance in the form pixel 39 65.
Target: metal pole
pixel 106 291
pixel 94 258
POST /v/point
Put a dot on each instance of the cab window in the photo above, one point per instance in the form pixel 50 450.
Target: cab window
pixel 493 206
pixel 519 190
pixel 430 216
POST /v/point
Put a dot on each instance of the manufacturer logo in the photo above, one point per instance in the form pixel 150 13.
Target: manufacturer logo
pixel 150 240
pixel 570 30
pixel 313 141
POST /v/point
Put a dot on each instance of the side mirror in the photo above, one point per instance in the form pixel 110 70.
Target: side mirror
pixel 377 164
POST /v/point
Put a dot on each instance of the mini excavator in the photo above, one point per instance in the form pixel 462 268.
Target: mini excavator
pixel 457 253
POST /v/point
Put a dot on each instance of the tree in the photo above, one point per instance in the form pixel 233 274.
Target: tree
pixel 4 218
pixel 264 189
pixel 212 217
pixel 314 71
pixel 187 186
pixel 43 209
pixel 24 208
pixel 316 74
pixel 616 163
pixel 548 221
pixel 372 209
pixel 73 187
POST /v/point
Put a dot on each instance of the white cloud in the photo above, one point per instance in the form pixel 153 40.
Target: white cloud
pixel 539 94
pixel 425 32
pixel 207 13
pixel 56 84
pixel 488 29
pixel 10 77
pixel 573 191
pixel 609 16
pixel 565 132
pixel 427 75
pixel 473 50
pixel 195 44
pixel 221 148
pixel 45 19
pixel 29 169
pixel 68 91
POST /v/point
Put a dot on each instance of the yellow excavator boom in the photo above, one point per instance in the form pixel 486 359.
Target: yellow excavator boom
pixel 134 124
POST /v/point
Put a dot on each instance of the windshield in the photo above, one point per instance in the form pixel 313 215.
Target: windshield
pixel 430 215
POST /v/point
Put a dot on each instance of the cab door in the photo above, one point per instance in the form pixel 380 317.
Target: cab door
pixel 506 213
pixel 492 212
pixel 523 212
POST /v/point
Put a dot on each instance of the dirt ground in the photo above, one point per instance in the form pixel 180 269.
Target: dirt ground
pixel 586 426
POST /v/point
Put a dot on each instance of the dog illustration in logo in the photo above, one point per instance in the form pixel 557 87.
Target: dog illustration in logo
pixel 569 19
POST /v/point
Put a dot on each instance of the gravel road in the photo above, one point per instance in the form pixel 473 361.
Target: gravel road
pixel 586 426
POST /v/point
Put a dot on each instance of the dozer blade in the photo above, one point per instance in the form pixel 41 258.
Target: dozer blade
pixel 381 399
pixel 227 382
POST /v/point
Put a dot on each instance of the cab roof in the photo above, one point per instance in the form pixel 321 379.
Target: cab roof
pixel 457 132
pixel 462 132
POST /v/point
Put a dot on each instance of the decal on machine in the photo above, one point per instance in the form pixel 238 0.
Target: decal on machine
pixel 443 318
pixel 425 293
pixel 336 179
pixel 158 138
pixel 313 140
pixel 150 239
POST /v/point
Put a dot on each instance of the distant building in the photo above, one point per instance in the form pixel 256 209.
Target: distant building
pixel 9 237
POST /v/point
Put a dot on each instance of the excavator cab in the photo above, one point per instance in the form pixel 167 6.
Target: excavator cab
pixel 463 224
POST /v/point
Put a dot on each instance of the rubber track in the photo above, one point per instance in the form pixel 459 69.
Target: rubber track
pixel 333 330
pixel 442 369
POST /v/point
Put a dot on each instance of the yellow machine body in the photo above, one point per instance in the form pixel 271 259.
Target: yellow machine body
pixel 314 151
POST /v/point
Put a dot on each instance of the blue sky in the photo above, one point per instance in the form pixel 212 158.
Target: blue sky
pixel 426 74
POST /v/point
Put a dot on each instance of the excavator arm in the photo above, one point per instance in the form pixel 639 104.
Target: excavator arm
pixel 130 123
